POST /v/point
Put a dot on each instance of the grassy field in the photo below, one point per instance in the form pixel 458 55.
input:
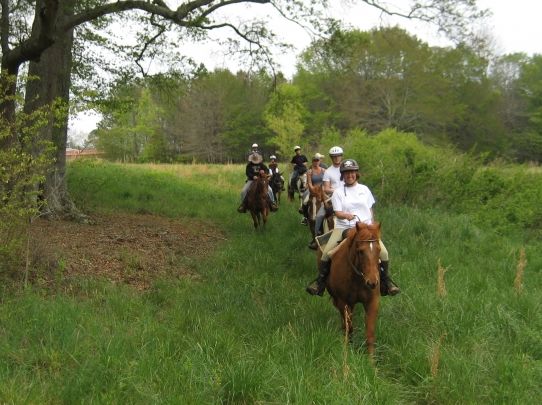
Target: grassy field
pixel 467 327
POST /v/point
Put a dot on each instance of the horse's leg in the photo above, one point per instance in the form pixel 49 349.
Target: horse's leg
pixel 254 219
pixel 371 315
pixel 346 312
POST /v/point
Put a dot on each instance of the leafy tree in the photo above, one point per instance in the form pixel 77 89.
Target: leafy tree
pixel 387 78
pixel 211 117
pixel 284 116
pixel 528 86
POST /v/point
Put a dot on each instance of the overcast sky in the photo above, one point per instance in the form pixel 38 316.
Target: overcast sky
pixel 515 26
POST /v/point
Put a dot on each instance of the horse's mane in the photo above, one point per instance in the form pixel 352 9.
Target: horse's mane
pixel 364 231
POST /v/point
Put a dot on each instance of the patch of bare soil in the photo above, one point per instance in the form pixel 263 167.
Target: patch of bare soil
pixel 123 248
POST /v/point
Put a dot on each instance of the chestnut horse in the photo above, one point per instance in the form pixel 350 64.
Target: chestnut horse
pixel 317 197
pixel 355 277
pixel 257 201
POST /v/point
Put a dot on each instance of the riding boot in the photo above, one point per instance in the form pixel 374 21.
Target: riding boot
pixel 272 204
pixel 387 285
pixel 318 286
pixel 243 207
pixel 305 209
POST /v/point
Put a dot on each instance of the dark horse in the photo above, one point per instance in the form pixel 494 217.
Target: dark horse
pixel 317 198
pixel 355 277
pixel 257 201
pixel 277 185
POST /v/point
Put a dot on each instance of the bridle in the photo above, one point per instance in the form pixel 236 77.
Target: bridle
pixel 358 254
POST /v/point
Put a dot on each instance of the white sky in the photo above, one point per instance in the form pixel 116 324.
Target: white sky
pixel 516 26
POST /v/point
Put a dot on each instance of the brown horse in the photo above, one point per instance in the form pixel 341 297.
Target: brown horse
pixel 257 201
pixel 317 197
pixel 355 277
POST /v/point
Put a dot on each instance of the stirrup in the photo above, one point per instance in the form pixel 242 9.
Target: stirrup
pixel 314 288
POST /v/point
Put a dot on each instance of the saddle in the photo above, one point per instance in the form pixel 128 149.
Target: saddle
pixel 322 241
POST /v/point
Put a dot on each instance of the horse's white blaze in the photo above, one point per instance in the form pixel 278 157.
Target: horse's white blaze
pixel 371 246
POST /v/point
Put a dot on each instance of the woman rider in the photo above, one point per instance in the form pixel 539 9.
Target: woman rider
pixel 315 177
pixel 352 203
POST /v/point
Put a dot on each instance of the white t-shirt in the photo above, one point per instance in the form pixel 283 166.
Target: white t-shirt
pixel 333 175
pixel 357 200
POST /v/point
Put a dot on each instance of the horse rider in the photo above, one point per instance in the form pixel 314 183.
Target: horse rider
pixel 299 166
pixel 332 180
pixel 352 203
pixel 332 176
pixel 315 177
pixel 255 149
pixel 274 168
pixel 254 168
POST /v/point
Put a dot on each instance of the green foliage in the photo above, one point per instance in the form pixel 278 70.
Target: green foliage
pixel 284 116
pixel 400 169
pixel 213 117
pixel 24 162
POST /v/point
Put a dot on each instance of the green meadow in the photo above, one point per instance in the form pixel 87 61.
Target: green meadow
pixel 467 327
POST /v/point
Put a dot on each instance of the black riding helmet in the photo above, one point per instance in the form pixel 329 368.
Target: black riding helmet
pixel 349 165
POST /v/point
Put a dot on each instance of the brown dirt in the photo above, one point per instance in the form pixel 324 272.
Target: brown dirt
pixel 123 248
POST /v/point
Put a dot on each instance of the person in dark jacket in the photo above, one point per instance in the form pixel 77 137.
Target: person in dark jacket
pixel 299 166
pixel 254 168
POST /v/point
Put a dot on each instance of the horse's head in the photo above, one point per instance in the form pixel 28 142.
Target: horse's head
pixel 302 185
pixel 365 247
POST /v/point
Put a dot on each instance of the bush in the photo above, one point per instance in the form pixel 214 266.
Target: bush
pixel 399 169
pixel 24 161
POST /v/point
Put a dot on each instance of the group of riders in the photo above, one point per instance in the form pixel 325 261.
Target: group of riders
pixel 351 202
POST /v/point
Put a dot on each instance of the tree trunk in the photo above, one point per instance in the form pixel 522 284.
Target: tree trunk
pixel 49 82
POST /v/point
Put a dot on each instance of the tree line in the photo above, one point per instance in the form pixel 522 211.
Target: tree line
pixel 48 65
pixel 368 80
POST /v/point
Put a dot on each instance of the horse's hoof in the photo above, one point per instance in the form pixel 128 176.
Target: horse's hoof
pixel 304 221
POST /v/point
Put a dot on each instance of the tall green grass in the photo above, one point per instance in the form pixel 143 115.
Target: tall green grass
pixel 246 331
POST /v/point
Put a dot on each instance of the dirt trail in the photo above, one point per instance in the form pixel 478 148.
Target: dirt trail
pixel 124 248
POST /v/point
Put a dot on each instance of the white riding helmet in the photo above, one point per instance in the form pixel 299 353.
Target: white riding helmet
pixel 296 147
pixel 254 145
pixel 336 151
pixel 272 157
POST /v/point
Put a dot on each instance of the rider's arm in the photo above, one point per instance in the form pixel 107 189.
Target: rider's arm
pixel 309 179
pixel 344 215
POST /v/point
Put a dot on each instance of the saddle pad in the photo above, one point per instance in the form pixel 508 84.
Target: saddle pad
pixel 322 239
